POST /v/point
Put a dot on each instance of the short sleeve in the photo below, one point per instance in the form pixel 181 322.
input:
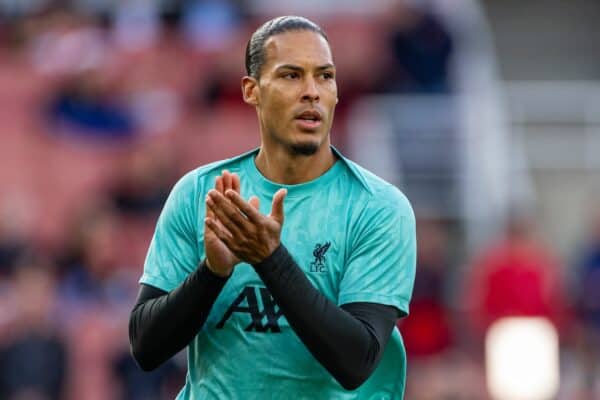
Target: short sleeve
pixel 173 252
pixel 382 259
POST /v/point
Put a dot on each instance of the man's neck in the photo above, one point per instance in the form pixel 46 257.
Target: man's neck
pixel 278 165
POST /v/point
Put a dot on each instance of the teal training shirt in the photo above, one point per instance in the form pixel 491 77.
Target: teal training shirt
pixel 352 233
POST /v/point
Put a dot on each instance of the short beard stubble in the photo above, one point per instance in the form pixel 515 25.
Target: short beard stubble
pixel 304 149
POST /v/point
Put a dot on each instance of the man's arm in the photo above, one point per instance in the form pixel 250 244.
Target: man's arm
pixel 348 340
pixel 363 327
pixel 161 323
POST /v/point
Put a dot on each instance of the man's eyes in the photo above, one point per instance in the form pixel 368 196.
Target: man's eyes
pixel 296 75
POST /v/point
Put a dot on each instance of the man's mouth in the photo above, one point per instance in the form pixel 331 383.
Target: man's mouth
pixel 309 119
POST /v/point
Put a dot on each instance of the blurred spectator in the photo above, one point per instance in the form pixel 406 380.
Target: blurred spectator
pixel 588 304
pixel 94 337
pixel 420 48
pixel 95 291
pixel 15 223
pixel 516 276
pixel 428 332
pixel 93 274
pixel 83 106
pixel 145 180
pixel 33 357
pixel 589 277
pixel 11 248
pixel 211 24
pixel 78 53
pixel 162 383
pixel 153 109
pixel 452 376
pixel 20 8
pixel 221 88
pixel 433 352
pixel 137 24
pixel 65 43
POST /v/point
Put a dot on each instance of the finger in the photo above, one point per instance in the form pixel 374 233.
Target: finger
pixel 218 187
pixel 220 231
pixel 227 213
pixel 212 216
pixel 226 180
pixel 248 210
pixel 254 202
pixel 209 213
pixel 235 183
pixel 277 205
pixel 221 219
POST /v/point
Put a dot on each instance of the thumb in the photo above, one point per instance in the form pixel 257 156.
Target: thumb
pixel 277 206
pixel 254 202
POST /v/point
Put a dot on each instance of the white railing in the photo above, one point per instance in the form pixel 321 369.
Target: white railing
pixel 440 151
pixel 474 160
pixel 560 122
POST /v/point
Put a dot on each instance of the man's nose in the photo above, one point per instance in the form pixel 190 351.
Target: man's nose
pixel 310 91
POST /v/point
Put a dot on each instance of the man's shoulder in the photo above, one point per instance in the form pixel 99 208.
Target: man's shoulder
pixel 199 180
pixel 380 193
pixel 233 164
pixel 199 174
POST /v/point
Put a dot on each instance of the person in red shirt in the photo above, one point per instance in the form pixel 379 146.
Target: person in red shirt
pixel 516 276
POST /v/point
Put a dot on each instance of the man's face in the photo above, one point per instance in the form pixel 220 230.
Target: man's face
pixel 296 93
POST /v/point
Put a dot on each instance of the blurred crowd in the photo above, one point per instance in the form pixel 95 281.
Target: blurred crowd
pixel 103 108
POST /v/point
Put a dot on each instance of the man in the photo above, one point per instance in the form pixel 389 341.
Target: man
pixel 276 304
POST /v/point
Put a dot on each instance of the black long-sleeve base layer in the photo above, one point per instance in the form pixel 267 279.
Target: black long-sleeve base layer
pixel 348 340
pixel 161 323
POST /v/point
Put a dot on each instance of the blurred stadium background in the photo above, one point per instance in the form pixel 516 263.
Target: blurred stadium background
pixel 485 113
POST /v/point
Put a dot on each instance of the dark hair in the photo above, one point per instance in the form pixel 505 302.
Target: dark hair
pixel 255 49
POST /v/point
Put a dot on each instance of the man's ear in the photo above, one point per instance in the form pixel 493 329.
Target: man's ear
pixel 250 90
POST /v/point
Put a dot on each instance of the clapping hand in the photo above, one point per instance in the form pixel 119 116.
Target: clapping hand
pixel 219 259
pixel 249 235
